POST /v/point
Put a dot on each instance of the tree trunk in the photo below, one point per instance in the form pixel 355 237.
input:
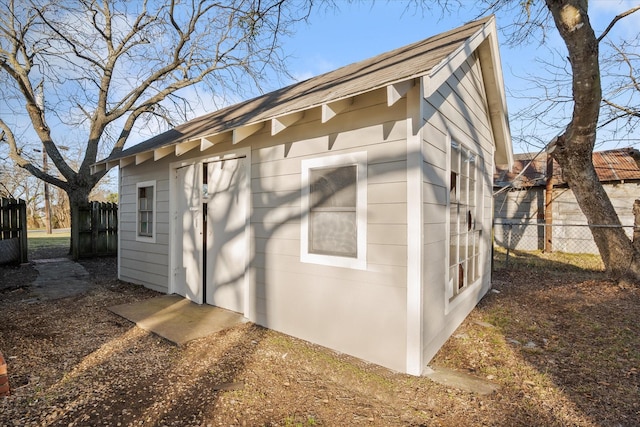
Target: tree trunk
pixel 617 252
pixel 78 197
pixel 636 225
pixel 574 148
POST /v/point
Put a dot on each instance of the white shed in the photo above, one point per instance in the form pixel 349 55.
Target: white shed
pixel 352 210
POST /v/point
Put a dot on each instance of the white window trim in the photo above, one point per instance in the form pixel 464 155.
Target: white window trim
pixel 452 301
pixel 360 160
pixel 152 238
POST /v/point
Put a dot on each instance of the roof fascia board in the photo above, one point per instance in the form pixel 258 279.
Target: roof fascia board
pixel 489 55
pixel 485 42
pixel 441 72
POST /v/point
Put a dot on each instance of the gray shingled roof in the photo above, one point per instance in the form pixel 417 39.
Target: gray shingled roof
pixel 401 64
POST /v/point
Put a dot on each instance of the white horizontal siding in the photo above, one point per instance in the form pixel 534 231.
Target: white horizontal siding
pixel 357 309
pixel 457 110
pixel 289 295
pixel 289 292
pixel 143 262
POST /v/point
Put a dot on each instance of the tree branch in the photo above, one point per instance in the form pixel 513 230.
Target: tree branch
pixel 627 110
pixel 16 155
pixel 616 19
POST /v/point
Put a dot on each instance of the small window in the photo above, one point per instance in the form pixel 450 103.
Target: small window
pixel 146 211
pixel 334 211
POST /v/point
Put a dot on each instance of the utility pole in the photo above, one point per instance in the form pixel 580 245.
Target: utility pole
pixel 548 207
pixel 47 205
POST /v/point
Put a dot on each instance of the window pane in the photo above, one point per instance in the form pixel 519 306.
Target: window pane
pixel 468 272
pixel 145 211
pixel 333 187
pixel 333 233
pixel 464 164
pixel 472 192
pixel 464 183
pixel 462 218
pixel 453 278
pixel 455 159
pixel 453 190
pixel 453 251
pixel 474 262
pixel 462 247
pixel 453 219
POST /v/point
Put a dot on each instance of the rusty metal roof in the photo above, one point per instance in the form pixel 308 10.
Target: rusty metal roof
pixel 616 165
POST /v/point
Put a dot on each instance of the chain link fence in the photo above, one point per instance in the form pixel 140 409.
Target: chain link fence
pixel 547 245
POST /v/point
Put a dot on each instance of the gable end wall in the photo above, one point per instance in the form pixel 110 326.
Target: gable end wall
pixel 457 110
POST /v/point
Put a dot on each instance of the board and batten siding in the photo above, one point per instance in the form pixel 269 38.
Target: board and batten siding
pixel 144 263
pixel 359 312
pixel 456 111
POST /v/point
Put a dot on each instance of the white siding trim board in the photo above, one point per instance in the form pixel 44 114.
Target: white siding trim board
pixel 415 157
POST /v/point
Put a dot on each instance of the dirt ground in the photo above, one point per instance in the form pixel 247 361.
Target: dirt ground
pixel 564 348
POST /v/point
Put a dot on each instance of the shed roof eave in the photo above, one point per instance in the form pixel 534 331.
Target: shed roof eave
pixel 290 103
pixel 250 124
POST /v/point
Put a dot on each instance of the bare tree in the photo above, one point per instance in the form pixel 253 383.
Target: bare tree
pixel 88 73
pixel 577 113
pixel 574 146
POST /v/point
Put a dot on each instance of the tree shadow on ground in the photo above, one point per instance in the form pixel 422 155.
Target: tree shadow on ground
pixel 577 330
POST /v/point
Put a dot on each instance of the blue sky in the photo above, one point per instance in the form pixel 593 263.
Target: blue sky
pixel 353 32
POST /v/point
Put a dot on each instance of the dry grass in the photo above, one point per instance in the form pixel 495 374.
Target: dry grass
pixel 562 344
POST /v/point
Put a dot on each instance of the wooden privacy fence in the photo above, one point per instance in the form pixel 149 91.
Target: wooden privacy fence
pixel 95 230
pixel 13 231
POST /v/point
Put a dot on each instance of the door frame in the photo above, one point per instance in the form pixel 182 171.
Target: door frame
pixel 173 256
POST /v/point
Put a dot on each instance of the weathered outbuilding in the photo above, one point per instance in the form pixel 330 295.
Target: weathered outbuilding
pixel 352 210
pixel 536 210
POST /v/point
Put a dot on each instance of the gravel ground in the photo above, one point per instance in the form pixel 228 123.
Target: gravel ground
pixel 564 350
